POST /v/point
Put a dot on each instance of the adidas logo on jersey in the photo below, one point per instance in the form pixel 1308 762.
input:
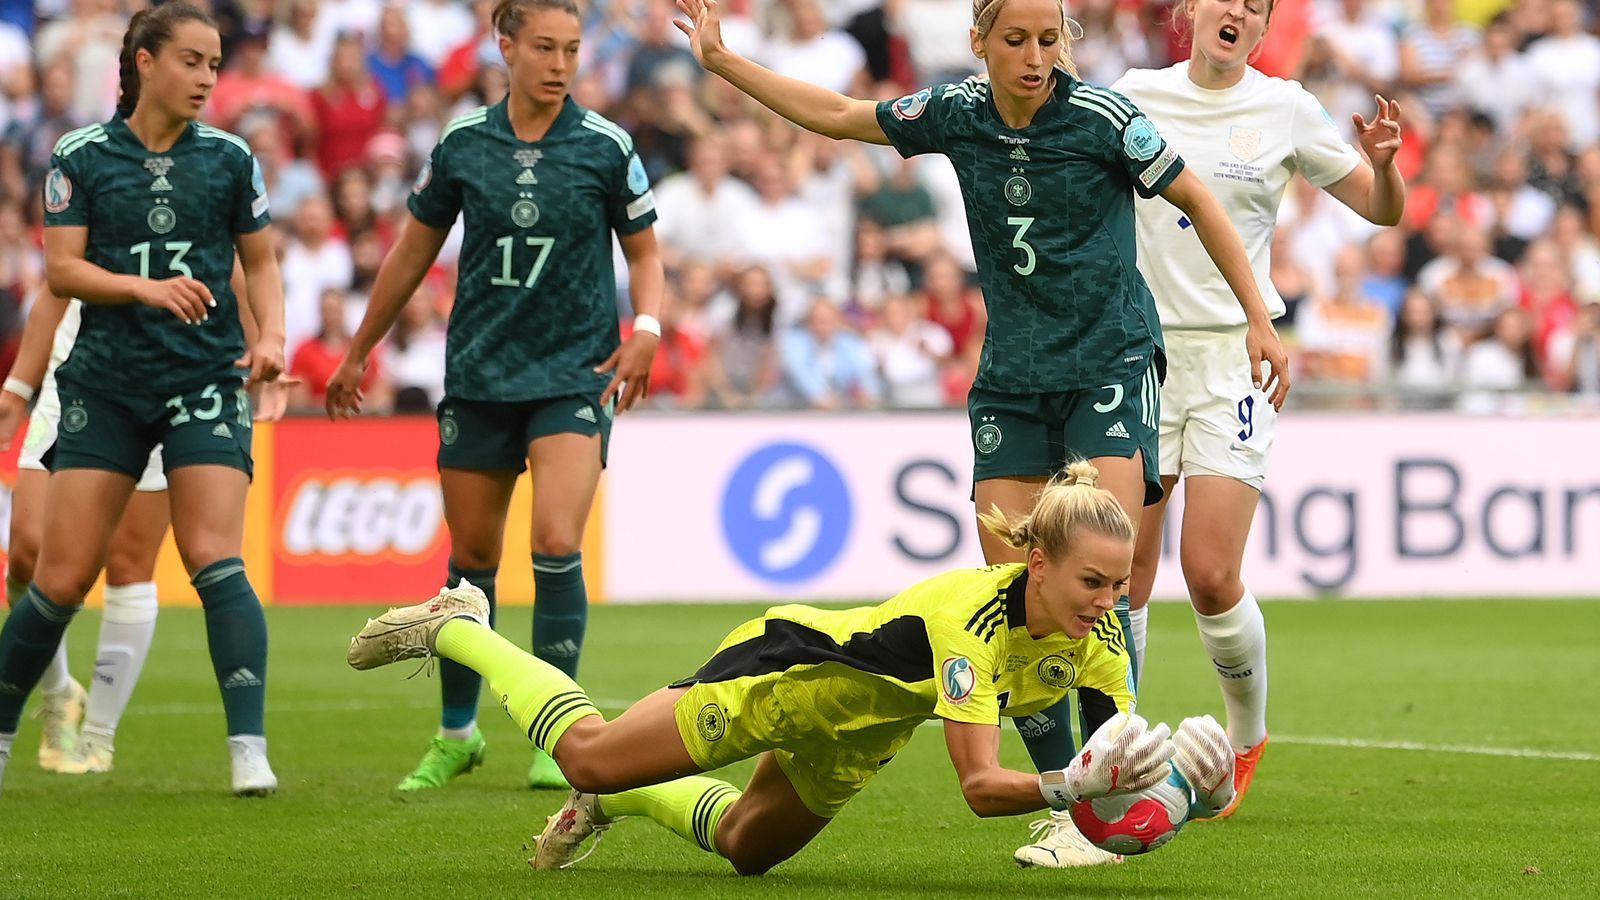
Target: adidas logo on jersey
pixel 161 184
pixel 527 177
pixel 222 430
pixel 1118 430
pixel 241 678
pixel 586 414
pixel 1019 154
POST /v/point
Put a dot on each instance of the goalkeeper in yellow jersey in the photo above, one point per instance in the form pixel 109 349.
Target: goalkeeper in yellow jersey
pixel 827 697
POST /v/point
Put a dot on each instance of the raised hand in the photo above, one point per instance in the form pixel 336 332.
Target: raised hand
pixel 704 28
pixel 1380 138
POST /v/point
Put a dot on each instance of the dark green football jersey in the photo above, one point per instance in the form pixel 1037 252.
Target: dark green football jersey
pixel 1050 209
pixel 157 215
pixel 536 301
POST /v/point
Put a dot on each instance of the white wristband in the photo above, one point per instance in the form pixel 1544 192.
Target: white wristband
pixel 1053 785
pixel 20 388
pixel 647 324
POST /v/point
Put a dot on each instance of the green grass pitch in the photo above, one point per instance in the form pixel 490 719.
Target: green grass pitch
pixel 1461 684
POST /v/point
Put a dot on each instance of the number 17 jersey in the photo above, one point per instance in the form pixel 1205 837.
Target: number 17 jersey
pixel 536 299
pixel 1050 208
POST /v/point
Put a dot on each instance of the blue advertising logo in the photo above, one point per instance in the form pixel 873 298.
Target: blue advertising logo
pixel 786 513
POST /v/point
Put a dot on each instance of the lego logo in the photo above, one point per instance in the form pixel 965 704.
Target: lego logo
pixel 364 517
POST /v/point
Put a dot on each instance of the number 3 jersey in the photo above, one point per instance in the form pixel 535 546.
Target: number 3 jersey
pixel 1050 209
pixel 157 216
pixel 536 299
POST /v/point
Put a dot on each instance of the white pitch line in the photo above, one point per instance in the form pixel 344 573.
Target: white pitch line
pixel 207 709
pixel 1470 749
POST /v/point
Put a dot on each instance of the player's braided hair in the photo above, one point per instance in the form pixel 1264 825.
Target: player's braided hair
pixel 509 15
pixel 149 30
pixel 1071 500
pixel 985 12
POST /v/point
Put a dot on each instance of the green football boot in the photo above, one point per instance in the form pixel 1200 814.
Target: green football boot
pixel 545 775
pixel 446 758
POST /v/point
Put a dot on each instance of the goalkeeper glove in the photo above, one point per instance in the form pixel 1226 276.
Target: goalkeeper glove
pixel 1205 759
pixel 1123 756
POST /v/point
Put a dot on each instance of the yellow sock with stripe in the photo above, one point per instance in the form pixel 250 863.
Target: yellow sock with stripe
pixel 541 698
pixel 692 807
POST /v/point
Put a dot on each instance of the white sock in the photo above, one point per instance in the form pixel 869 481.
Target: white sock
pixel 1139 623
pixel 1236 641
pixel 128 626
pixel 459 734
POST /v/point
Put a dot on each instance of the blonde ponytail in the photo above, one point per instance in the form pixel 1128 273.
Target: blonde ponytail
pixel 1071 500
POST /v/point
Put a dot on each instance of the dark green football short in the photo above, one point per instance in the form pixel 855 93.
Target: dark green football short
pixel 1025 435
pixel 206 426
pixel 494 436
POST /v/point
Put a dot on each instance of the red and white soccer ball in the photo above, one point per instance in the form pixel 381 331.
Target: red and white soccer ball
pixel 1131 824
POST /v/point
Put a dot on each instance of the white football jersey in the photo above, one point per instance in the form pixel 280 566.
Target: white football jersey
pixel 66 336
pixel 1244 143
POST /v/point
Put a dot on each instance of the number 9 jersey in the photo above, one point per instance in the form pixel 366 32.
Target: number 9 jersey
pixel 1050 208
pixel 157 216
pixel 535 307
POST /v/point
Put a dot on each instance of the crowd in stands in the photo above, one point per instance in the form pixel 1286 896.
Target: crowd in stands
pixel 809 273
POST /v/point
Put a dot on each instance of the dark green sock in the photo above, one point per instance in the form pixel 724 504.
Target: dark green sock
pixel 236 631
pixel 560 610
pixel 1121 609
pixel 1047 735
pixel 28 642
pixel 458 685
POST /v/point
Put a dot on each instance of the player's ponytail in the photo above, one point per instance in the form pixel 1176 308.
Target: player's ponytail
pixel 985 12
pixel 149 30
pixel 1071 500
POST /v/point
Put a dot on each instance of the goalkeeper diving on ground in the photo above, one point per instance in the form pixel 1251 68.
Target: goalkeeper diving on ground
pixel 826 698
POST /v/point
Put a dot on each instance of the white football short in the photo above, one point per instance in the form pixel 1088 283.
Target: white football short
pixel 1213 420
pixel 42 435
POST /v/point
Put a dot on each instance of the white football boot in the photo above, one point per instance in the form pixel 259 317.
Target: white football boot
pixel 409 632
pixel 1057 844
pixel 252 774
pixel 566 831
pixel 59 716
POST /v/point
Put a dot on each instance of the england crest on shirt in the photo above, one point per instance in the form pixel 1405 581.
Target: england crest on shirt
pixel 1244 143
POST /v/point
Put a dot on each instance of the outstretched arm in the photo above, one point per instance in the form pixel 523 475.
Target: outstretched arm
pixel 1377 192
pixel 811 107
pixel 989 788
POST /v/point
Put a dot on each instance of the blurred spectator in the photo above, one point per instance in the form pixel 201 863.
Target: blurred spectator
pixel 1546 295
pixel 1496 79
pixel 1113 40
pixel 905 210
pixel 289 180
pixel 1290 279
pixel 661 54
pixel 314 263
pixel 701 210
pixel 827 366
pixel 742 368
pixel 459 69
pixel 1551 166
pixel 1283 47
pixel 21 261
pixel 352 206
pixel 677 373
pixel 1521 212
pixel 1385 281
pixel 935 36
pixel 1430 50
pixel 393 64
pixel 1471 287
pixel 413 355
pixel 16 69
pixel 25 153
pixel 788 237
pixel 1353 55
pixel 438 27
pixel 315 358
pixel 387 176
pixel 89 39
pixel 1317 224
pixel 423 121
pixel 1423 353
pixel 1574 360
pixel 1580 250
pixel 349 108
pixel 1448 188
pixel 246 87
pixel 301 47
pixel 910 352
pixel 1566 73
pixel 813 52
pixel 1501 361
pixel 1342 335
pixel 875 277
pixel 952 304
